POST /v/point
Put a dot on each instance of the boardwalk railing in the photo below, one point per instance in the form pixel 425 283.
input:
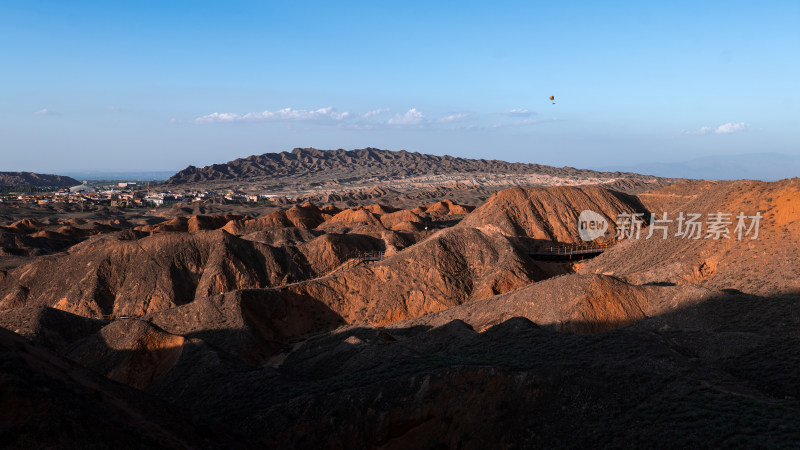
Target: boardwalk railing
pixel 571 251
pixel 116 317
pixel 371 256
pixel 358 259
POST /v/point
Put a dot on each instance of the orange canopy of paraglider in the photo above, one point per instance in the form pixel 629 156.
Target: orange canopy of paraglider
pixel 552 98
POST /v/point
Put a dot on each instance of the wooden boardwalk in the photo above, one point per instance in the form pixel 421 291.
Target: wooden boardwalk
pixel 358 259
pixel 370 256
pixel 570 252
pixel 116 317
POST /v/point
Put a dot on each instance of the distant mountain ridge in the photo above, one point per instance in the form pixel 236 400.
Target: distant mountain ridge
pixel 766 166
pixel 12 179
pixel 346 164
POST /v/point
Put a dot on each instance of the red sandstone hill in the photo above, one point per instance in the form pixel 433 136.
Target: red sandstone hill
pixel 571 303
pixel 549 214
pixel 48 401
pixel 370 219
pixel 249 324
pixel 299 216
pixel 192 224
pixel 403 220
pixel 134 276
pixel 132 352
pixel 451 267
pixel 352 217
pixel 405 385
pixel 52 328
pixel 114 275
pixel 444 208
pixel 518 384
pixel 764 266
pixel 388 354
pixel 128 275
pixel 31 237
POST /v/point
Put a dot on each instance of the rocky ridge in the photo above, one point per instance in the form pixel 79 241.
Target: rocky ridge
pixel 13 179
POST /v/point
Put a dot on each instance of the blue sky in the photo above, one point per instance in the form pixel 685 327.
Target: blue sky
pixel 159 85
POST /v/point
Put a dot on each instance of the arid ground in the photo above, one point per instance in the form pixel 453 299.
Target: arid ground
pixel 377 317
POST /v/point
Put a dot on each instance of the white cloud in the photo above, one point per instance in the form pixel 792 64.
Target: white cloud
pixel 726 128
pixel 519 113
pixel 452 118
pixel 411 117
pixel 375 112
pixel 46 112
pixel 322 114
pixel 731 127
pixel 376 118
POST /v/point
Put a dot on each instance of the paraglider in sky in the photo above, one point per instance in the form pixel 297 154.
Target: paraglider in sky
pixel 552 98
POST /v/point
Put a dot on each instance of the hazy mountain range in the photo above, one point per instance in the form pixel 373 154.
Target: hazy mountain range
pixel 769 166
pixel 751 166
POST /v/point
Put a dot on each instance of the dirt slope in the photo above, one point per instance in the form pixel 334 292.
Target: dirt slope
pixel 521 385
pixel 47 401
pixel 571 303
pixel 52 328
pixel 549 214
pixel 763 266
pixel 248 324
pixel 132 352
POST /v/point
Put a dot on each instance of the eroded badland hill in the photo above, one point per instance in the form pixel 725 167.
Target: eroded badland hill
pixel 431 325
